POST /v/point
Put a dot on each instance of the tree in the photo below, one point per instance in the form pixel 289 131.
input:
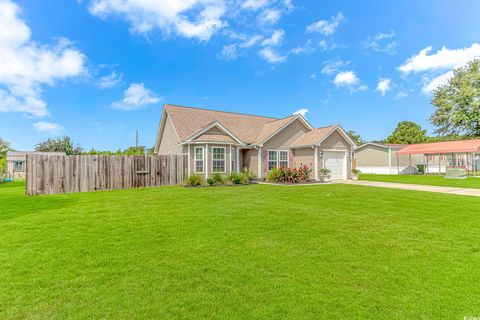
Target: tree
pixel 4 147
pixel 62 144
pixel 407 132
pixel 357 138
pixel 457 103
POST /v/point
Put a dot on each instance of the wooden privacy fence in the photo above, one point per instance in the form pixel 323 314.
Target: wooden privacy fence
pixel 62 174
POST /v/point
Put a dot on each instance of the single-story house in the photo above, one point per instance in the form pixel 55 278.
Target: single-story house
pixel 16 163
pixel 382 158
pixel 219 141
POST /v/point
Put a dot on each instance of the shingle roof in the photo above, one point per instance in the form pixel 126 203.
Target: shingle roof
pixel 313 137
pixel 208 137
pixel 270 127
pixel 187 121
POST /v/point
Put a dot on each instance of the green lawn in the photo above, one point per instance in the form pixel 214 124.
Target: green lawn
pixel 470 182
pixel 250 252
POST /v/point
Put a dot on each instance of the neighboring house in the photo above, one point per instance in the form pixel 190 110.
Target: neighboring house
pixel 383 159
pixel 217 141
pixel 16 163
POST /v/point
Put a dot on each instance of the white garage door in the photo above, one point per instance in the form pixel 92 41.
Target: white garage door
pixel 335 161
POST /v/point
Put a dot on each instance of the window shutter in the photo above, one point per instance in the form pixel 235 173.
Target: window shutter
pixel 290 158
pixel 265 160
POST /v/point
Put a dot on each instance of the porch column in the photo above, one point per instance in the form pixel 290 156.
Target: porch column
pixel 439 166
pixel 398 164
pixel 474 165
pixel 315 162
pixel 259 157
pixel 410 163
pixel 230 158
pixel 206 161
pixel 389 160
pixel 188 160
pixel 237 159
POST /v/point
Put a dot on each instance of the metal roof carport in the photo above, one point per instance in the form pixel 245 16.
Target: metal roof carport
pixel 454 148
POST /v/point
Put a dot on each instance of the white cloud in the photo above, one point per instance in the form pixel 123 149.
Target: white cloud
pixel 25 65
pixel 382 42
pixel 229 52
pixel 442 59
pixel 313 76
pixel 437 67
pixel 270 16
pixel 111 80
pixel 384 85
pixel 326 27
pixel 44 126
pixel 401 95
pixel 302 111
pixel 251 41
pixel 326 46
pixel 275 39
pixel 332 66
pixel 254 4
pixel 271 56
pixel 307 48
pixel 135 97
pixel 198 19
pixel 345 79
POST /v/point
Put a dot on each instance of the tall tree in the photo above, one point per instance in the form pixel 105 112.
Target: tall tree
pixel 356 137
pixel 457 103
pixel 62 144
pixel 407 132
pixel 4 147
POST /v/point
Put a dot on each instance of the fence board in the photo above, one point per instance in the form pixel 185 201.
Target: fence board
pixel 64 174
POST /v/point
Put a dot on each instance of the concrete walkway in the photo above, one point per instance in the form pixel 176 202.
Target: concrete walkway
pixel 416 187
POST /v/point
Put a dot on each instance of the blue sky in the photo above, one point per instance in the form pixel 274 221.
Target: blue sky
pixel 98 70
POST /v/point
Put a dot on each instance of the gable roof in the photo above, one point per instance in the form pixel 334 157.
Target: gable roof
pixel 187 121
pixel 314 136
pixel 382 145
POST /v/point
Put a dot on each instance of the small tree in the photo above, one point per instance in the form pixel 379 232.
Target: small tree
pixel 4 147
pixel 357 138
pixel 457 103
pixel 407 132
pixel 62 144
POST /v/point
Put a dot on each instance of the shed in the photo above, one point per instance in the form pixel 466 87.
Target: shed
pixel 381 158
pixel 16 162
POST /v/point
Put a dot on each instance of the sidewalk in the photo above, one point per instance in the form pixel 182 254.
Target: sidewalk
pixel 416 187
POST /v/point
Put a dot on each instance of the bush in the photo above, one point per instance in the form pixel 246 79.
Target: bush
pixel 289 175
pixel 193 181
pixel 356 172
pixel 325 172
pixel 211 181
pixel 218 177
pixel 249 174
pixel 238 178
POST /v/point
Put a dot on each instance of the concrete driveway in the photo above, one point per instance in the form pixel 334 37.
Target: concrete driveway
pixel 416 187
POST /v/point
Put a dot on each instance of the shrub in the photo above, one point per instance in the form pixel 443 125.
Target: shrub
pixel 304 172
pixel 289 175
pixel 356 172
pixel 193 181
pixel 238 178
pixel 211 181
pixel 218 177
pixel 274 175
pixel 325 172
pixel 249 174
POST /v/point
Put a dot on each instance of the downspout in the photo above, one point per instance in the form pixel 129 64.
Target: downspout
pixel 188 170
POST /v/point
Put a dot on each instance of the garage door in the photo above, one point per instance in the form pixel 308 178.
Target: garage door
pixel 335 161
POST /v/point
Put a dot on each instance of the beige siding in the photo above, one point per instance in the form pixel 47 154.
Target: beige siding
pixel 372 156
pixel 210 158
pixel 16 175
pixel 303 156
pixel 169 141
pixel 335 141
pixel 283 140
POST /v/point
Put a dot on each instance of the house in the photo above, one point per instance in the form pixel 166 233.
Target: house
pixel 382 158
pixel 218 141
pixel 16 163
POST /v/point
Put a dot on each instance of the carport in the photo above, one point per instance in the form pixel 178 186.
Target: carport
pixel 440 156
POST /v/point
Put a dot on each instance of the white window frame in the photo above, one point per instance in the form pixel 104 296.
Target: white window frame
pixel 195 160
pixel 224 160
pixel 15 166
pixel 233 160
pixel 288 158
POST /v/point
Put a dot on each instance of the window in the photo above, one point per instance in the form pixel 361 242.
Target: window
pixel 272 159
pixel 283 159
pixel 233 157
pixel 18 166
pixel 218 159
pixel 199 159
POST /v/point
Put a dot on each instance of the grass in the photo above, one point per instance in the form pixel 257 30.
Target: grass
pixel 252 252
pixel 470 182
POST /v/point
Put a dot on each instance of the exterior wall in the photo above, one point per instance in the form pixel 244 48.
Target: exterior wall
pixel 372 156
pixel 209 163
pixel 169 142
pixel 303 156
pixel 250 160
pixel 282 141
pixel 336 142
pixel 16 175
